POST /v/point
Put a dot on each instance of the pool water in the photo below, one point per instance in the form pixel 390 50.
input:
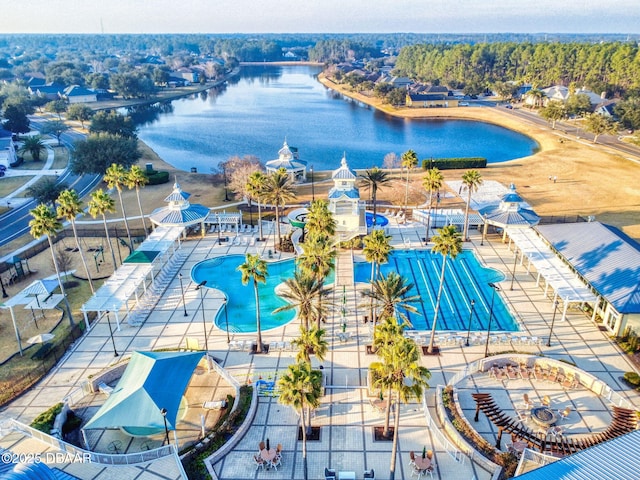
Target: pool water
pixel 465 280
pixel 221 273
pixel 381 220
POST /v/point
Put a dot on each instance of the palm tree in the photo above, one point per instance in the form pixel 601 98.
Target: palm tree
pixel 537 96
pixel 101 203
pixel 137 179
pixel 377 248
pixel 256 188
pixel 301 292
pixel 471 179
pixel 278 191
pixel 432 181
pixel 448 244
pixel 400 371
pixel 34 145
pixel 116 177
pixel 409 161
pixel 390 293
pixel 45 222
pixel 320 220
pixel 317 260
pixel 386 333
pixel 311 341
pixel 255 269
pixel 69 207
pixel 375 178
pixel 301 388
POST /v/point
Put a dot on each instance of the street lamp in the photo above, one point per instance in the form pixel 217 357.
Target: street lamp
pixel 224 175
pixel 473 303
pixel 495 288
pixel 204 320
pixel 553 320
pixel 313 194
pixel 115 352
pixel 226 318
pixel 182 292
pixel 515 263
pixel 163 412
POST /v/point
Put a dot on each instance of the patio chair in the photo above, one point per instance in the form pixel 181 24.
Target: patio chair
pixel 259 462
pixel 412 458
pixel 528 404
pixel 276 462
pixel 329 474
pixel 369 474
pixel 564 413
pixel 546 401
pixel 261 446
pixel 415 471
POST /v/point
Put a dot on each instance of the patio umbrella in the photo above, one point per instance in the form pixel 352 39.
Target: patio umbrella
pixel 41 338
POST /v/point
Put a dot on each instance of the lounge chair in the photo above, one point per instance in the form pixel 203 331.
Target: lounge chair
pixel 564 413
pixel 104 388
pixel 329 474
pixel 215 405
pixel 369 475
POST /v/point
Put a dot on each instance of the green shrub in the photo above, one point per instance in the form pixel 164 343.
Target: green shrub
pixel 44 421
pixel 632 378
pixel 454 163
pixel 157 178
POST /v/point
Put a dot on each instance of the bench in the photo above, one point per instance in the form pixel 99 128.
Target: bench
pixel 216 405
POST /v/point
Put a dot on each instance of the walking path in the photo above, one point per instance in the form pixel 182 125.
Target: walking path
pixel 12 198
pixel 345 416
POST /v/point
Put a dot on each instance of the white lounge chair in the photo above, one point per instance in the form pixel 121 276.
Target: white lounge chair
pixel 215 405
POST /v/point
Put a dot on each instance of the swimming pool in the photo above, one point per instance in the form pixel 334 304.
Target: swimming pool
pixel 465 280
pixel 381 220
pixel 221 273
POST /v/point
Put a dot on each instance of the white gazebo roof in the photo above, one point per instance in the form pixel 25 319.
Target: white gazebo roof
pixel 286 160
pixel 179 212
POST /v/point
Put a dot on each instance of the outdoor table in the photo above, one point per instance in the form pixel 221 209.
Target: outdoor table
pixel 268 455
pixel 346 475
pixel 422 463
pixel 544 416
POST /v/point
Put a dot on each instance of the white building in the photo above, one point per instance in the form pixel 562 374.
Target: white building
pixel 345 205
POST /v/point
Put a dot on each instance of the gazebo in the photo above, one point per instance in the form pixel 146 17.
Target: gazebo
pixel 289 160
pixel 509 213
pixel 179 212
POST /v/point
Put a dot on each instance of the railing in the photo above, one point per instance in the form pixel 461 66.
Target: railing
pixel 449 447
pixel 532 456
pixel 94 457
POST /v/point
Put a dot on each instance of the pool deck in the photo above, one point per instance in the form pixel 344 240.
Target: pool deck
pixel 346 417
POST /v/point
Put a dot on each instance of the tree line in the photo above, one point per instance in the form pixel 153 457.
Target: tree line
pixel 612 67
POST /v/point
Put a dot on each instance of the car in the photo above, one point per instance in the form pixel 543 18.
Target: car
pixel 463 104
pixel 508 106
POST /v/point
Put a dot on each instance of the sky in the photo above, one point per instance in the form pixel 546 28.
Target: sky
pixel 319 16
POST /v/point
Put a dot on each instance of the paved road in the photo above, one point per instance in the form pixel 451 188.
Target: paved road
pixel 15 222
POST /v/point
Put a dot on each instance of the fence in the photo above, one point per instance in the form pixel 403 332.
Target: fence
pixel 449 447
pixel 97 232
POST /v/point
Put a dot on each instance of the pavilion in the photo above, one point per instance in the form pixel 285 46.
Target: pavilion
pixel 511 212
pixel 289 160
pixel 179 212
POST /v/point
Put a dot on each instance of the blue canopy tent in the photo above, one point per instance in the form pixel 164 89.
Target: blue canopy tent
pixel 152 381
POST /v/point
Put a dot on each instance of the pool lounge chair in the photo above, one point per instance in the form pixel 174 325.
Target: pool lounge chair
pixel 215 405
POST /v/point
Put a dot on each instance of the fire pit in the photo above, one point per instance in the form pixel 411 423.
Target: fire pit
pixel 544 416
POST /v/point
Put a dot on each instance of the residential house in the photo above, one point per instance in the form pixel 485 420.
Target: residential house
pixel 188 74
pixel 562 93
pixel 77 94
pixel 606 108
pixel 50 91
pixel 7 148
pixel 431 96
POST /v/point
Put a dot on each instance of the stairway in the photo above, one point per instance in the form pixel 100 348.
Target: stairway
pixel 344 269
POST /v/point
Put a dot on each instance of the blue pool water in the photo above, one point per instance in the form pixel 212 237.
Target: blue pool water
pixel 465 280
pixel 381 220
pixel 222 273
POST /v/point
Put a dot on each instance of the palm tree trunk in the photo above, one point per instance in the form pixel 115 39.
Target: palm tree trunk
pixel 64 295
pixel 126 223
pixel 387 415
pixel 435 314
pixel 278 226
pixel 394 447
pixel 465 234
pixel 84 260
pixel 374 194
pixel 259 221
pixel 304 442
pixel 406 191
pixel 430 210
pixel 113 255
pixel 144 223
pixel 259 346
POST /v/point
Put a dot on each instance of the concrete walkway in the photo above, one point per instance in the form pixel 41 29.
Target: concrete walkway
pixel 345 416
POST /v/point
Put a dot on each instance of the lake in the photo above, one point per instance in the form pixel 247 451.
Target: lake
pixel 261 107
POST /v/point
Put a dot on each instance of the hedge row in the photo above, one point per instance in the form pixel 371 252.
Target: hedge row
pixel 156 178
pixel 454 163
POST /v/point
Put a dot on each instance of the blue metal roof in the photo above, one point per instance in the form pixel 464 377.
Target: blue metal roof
pixel 617 459
pixel 609 262
pixel 352 193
